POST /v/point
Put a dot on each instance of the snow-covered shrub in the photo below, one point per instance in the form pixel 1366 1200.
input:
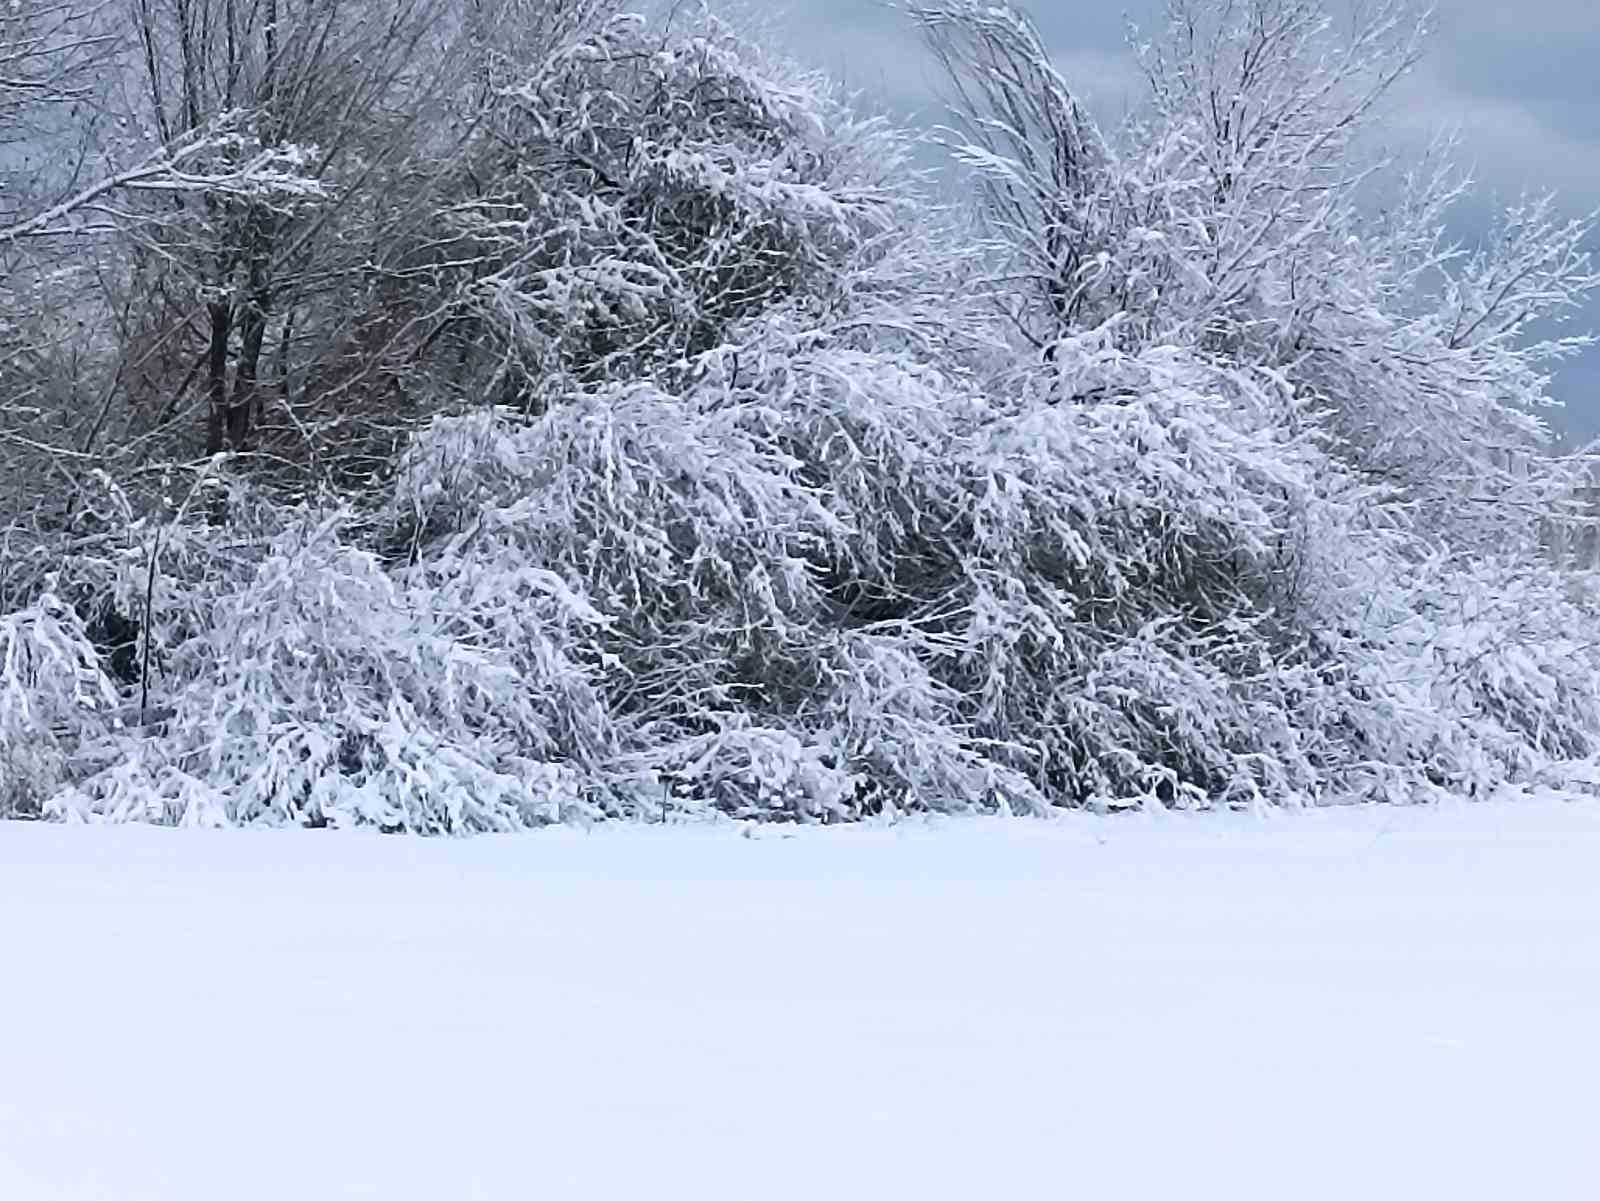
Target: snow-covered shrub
pixel 1479 678
pixel 933 599
pixel 1225 233
pixel 323 691
pixel 724 540
pixel 52 694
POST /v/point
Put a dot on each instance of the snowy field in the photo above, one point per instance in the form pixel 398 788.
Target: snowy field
pixel 1359 1005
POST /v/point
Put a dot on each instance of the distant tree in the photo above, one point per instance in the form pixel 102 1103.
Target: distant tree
pixel 76 178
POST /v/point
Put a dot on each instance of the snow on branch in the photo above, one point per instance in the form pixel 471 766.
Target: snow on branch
pixel 223 159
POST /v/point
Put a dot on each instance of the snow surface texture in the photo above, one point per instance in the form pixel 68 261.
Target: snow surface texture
pixel 1354 1003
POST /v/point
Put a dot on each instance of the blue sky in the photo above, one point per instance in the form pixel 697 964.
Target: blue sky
pixel 1518 82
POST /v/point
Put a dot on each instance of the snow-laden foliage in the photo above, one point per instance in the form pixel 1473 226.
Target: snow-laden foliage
pixel 642 196
pixel 762 494
pixel 886 592
pixel 52 689
pixel 1233 217
pixel 726 539
pixel 323 691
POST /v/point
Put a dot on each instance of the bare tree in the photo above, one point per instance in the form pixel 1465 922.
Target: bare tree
pixel 320 80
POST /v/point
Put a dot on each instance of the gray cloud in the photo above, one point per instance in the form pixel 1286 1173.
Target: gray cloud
pixel 1516 82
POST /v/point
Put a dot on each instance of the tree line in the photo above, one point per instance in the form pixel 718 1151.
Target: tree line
pixel 454 417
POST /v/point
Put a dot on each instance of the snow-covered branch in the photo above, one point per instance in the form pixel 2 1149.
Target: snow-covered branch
pixel 273 174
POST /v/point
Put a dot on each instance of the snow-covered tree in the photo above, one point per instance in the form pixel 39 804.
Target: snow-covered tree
pixel 1226 228
pixel 636 198
pixel 1232 218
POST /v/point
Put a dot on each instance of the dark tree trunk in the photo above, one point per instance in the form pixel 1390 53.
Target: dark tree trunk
pixel 253 319
pixel 217 375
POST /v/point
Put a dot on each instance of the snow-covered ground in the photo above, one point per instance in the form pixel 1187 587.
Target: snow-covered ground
pixel 1361 1005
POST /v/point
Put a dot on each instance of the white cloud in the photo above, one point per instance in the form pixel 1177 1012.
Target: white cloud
pixel 1511 148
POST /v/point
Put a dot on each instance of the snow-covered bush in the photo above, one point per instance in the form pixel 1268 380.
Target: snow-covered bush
pixel 912 593
pixel 52 693
pixel 730 544
pixel 1226 231
pixel 322 691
